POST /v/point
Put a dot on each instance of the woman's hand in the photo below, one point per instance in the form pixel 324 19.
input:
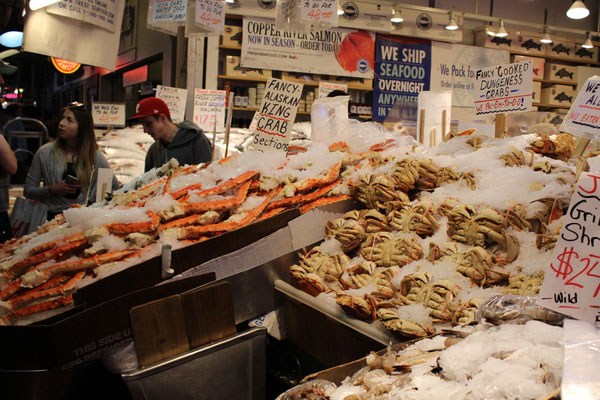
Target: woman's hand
pixel 63 188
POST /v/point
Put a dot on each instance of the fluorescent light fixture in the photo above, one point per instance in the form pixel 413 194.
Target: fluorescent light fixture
pixel 502 32
pixel 37 4
pixel 396 15
pixel 546 38
pixel 11 39
pixel 578 10
pixel 226 1
pixel 588 42
pixel 452 26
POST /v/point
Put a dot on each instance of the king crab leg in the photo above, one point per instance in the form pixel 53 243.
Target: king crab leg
pixel 35 308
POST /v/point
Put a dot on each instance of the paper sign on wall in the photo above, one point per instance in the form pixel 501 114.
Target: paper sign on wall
pixel 583 119
pixel 209 106
pixel 572 280
pixel 175 98
pixel 211 14
pixel 504 88
pixel 100 13
pixel 108 114
pixel 319 11
pixel 327 87
pixel 276 115
pixel 169 10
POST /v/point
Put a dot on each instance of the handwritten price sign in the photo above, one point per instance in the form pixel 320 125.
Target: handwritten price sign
pixel 211 14
pixel 572 281
pixel 319 11
pixel 208 105
pixel 504 88
pixel 583 119
pixel 108 114
pixel 175 98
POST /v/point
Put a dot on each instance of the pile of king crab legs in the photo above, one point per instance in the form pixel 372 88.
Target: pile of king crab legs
pixel 40 271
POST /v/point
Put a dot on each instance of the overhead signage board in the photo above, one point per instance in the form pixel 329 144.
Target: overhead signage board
pixel 175 98
pixel 583 119
pixel 108 114
pixel 276 115
pixel 572 280
pixel 99 13
pixel 504 88
pixel 334 51
pixel 209 109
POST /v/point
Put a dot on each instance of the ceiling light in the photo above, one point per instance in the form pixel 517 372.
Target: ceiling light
pixel 546 38
pixel 340 11
pixel 502 32
pixel 396 15
pixel 37 4
pixel 230 1
pixel 588 42
pixel 578 10
pixel 452 26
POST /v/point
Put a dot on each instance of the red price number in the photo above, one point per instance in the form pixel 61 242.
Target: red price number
pixel 565 268
pixel 314 14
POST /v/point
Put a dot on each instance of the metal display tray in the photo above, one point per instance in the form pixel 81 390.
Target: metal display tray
pixel 233 368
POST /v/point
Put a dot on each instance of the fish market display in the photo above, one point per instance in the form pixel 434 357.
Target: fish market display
pixel 507 362
pixel 444 229
pixel 175 205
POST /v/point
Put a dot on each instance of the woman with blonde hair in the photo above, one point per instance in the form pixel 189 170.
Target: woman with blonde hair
pixel 67 166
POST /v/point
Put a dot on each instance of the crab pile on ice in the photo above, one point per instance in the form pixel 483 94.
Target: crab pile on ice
pixel 443 230
pixel 506 362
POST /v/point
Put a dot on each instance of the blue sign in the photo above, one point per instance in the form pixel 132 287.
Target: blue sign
pixel 402 70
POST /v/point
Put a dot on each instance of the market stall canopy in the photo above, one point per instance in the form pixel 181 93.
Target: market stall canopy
pixel 75 33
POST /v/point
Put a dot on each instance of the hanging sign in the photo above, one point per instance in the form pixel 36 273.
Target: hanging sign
pixel 365 15
pixel 99 13
pixel 209 106
pixel 403 66
pixel 108 114
pixel 334 51
pixel 175 98
pixel 572 280
pixel 319 11
pixel 276 115
pixel 65 66
pixel 504 88
pixel 211 14
pixel 327 87
pixel 169 10
pixel 583 119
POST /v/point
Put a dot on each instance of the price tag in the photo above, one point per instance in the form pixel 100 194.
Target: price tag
pixel 209 106
pixel 108 114
pixel 211 14
pixel 319 11
pixel 327 87
pixel 175 98
pixel 504 88
pixel 572 280
pixel 583 119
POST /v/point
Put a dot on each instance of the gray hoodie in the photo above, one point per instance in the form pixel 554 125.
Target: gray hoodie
pixel 189 146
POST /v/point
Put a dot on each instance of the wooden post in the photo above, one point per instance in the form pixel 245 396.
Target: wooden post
pixel 500 125
pixel 228 125
pixel 214 139
pixel 444 114
pixel 421 133
pixel 580 146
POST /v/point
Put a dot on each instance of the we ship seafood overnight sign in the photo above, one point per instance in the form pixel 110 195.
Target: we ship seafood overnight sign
pixel 276 115
pixel 504 88
pixel 335 51
pixel 583 119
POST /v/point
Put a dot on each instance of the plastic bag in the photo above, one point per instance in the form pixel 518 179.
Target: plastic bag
pixel 26 216
pixel 516 310
pixel 329 116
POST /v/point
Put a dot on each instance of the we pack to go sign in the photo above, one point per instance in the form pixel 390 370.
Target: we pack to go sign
pixel 65 66
pixel 319 10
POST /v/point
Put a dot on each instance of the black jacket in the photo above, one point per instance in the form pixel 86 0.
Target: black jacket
pixel 189 146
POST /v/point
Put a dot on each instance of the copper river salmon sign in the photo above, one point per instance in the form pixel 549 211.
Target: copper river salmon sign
pixel 276 115
pixel 504 88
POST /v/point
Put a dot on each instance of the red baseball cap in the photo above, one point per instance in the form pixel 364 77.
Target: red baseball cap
pixel 151 106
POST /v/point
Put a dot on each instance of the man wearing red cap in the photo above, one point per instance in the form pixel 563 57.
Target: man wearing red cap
pixel 185 141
